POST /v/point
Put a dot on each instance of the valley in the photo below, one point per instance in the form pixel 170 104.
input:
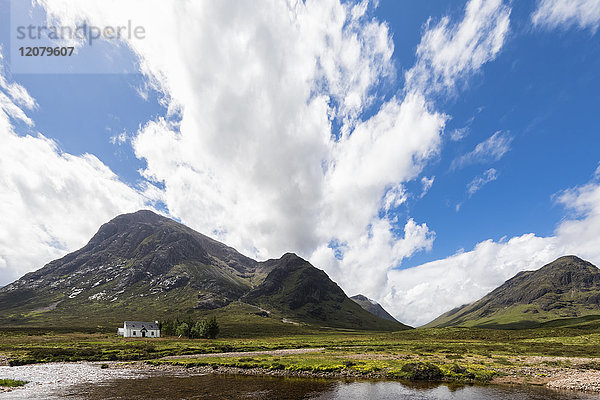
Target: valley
pixel 285 317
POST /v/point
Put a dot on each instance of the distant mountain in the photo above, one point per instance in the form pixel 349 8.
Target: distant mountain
pixel 145 266
pixel 372 306
pixel 561 292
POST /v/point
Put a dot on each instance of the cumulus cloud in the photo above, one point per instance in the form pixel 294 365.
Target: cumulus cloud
pixel 490 150
pixel 552 14
pixel 253 158
pixel 479 181
pixel 248 153
pixel 52 201
pixel 420 294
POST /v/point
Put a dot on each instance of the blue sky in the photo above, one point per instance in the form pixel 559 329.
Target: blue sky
pixel 543 89
pixel 538 95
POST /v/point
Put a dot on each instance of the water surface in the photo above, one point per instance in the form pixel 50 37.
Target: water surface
pixel 253 387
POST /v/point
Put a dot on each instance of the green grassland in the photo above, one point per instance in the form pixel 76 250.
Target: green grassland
pixel 458 354
pixel 523 316
pixel 11 383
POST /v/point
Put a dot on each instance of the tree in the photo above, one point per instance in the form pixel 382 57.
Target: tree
pixel 206 329
pixel 212 328
pixel 199 330
pixel 183 330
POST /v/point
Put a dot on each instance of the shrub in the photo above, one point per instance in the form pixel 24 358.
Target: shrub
pixel 422 371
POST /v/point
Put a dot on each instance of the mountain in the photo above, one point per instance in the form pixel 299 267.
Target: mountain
pixel 566 291
pixel 372 306
pixel 143 266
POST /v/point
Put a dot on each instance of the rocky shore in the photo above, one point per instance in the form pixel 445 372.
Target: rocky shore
pixel 45 380
pixel 552 372
pixel 578 380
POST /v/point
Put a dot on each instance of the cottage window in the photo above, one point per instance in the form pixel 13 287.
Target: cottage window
pixel 134 333
pixel 152 333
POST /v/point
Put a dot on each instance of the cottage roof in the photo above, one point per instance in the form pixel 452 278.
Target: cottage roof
pixel 140 325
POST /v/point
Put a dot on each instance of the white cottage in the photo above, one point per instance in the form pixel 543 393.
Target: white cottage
pixel 139 329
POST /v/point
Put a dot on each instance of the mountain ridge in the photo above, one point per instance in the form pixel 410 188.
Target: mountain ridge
pixel 143 265
pixel 568 287
pixel 372 306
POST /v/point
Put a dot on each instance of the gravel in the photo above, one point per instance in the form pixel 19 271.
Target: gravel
pixel 47 380
pixel 578 380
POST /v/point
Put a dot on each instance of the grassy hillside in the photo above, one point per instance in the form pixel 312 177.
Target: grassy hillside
pixel 295 288
pixel 567 289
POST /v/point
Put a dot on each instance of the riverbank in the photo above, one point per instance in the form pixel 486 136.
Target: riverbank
pixel 51 379
pixel 44 380
pixel 551 372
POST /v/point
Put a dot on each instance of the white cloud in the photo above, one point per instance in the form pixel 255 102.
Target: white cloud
pixel 119 139
pixel 16 93
pixel 490 150
pixel 418 295
pixel 479 181
pixel 253 159
pixel 394 197
pixel 52 202
pixel 567 13
pixel 459 134
pixel 13 96
pixel 427 184
pixel 448 52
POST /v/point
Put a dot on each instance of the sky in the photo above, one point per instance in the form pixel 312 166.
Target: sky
pixel 421 153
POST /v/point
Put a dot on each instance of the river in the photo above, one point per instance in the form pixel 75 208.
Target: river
pixel 252 387
pixel 84 380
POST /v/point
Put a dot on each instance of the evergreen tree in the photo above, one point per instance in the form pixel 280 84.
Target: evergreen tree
pixel 212 328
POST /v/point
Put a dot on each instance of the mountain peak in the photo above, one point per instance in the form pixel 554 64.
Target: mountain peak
pixel 144 265
pixel 568 258
pixel 140 216
pixel 568 262
pixel 372 306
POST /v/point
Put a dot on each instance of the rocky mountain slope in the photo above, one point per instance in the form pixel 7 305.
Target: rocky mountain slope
pixel 145 266
pixel 566 289
pixel 372 306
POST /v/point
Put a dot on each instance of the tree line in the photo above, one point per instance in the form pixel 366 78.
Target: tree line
pixel 192 329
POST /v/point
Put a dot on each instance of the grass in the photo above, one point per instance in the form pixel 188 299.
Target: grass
pixel 330 361
pixel 456 354
pixel 11 383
